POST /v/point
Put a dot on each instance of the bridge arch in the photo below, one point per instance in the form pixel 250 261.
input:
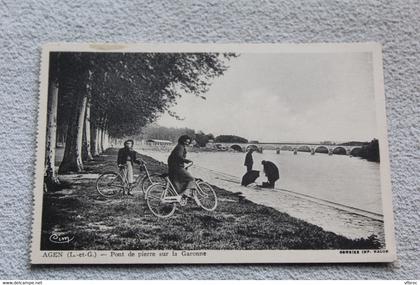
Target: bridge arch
pixel 254 147
pixel 355 151
pixel 304 148
pixel 339 150
pixel 321 149
pixel 236 147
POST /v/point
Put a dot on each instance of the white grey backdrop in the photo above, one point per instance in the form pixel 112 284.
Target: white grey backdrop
pixel 25 25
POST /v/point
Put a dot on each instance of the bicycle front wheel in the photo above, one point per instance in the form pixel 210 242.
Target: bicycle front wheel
pixel 149 180
pixel 155 198
pixel 109 184
pixel 205 196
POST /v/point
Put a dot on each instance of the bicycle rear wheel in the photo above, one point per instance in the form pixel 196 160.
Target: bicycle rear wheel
pixel 155 195
pixel 205 196
pixel 109 184
pixel 147 181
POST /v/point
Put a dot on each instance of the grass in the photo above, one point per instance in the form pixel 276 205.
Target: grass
pixel 125 223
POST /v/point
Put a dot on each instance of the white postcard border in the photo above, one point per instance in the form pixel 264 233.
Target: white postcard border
pixel 216 256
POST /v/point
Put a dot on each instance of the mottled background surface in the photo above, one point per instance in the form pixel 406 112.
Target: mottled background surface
pixel 25 25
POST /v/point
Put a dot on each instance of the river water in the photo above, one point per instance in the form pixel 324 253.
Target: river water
pixel 338 192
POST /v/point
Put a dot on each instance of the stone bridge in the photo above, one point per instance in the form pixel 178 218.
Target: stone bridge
pixel 295 147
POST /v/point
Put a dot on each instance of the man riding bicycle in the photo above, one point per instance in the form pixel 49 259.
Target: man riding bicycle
pixel 126 157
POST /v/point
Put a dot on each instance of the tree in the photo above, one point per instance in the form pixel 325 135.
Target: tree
pixel 86 148
pixel 370 151
pixel 230 139
pixel 116 94
pixel 52 105
pixel 153 131
pixel 76 72
pixel 202 139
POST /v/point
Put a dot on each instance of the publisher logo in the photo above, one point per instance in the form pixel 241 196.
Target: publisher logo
pixel 55 238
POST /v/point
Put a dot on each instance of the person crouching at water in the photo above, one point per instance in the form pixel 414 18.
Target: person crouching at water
pixel 272 173
pixel 126 157
pixel 249 162
pixel 179 176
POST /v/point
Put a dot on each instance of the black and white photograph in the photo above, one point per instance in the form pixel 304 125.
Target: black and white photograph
pixel 189 153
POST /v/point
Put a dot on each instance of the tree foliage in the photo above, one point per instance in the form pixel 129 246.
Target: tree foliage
pixel 172 134
pixel 163 133
pixel 370 151
pixel 123 92
pixel 130 89
pixel 230 139
pixel 202 139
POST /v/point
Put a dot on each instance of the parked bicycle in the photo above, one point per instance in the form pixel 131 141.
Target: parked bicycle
pixel 163 199
pixel 110 183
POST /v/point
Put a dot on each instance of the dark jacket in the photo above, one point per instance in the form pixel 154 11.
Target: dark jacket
pixel 248 159
pixel 126 154
pixel 177 157
pixel 271 171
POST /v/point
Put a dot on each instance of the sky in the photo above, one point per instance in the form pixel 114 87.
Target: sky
pixel 281 97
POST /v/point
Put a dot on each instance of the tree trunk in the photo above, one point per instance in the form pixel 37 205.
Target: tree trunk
pixel 104 143
pixel 59 140
pixel 62 136
pixel 87 143
pixel 51 176
pixel 84 142
pixel 101 140
pixel 106 140
pixel 94 142
pixel 98 139
pixel 72 160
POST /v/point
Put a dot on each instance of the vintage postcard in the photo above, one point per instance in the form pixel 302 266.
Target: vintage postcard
pixel 208 153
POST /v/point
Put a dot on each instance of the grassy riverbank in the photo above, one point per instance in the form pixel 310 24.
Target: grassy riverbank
pixel 126 222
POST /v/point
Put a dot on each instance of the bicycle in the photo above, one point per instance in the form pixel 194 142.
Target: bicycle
pixel 163 199
pixel 110 183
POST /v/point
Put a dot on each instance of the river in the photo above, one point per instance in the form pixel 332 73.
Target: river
pixel 338 192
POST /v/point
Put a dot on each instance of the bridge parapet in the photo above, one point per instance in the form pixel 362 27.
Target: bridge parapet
pixel 295 147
